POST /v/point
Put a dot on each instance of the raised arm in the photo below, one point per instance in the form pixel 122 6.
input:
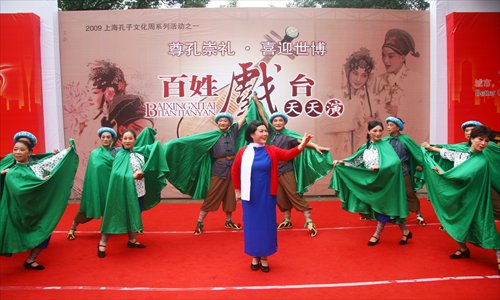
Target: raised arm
pixel 242 119
pixel 260 109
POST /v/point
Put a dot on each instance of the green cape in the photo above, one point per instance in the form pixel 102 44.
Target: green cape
pixel 155 168
pixel 96 181
pixel 31 207
pixel 364 191
pixel 122 212
pixel 461 198
pixel 309 166
pixel 190 162
pixel 416 159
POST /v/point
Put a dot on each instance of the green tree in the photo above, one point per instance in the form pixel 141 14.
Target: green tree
pixel 127 4
pixel 385 4
pixel 230 4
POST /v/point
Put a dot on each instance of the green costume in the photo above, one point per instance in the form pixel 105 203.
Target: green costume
pixel 309 166
pixel 190 162
pixel 30 207
pixel 96 182
pixel 492 155
pixel 461 198
pixel 416 159
pixel 122 212
pixel 368 192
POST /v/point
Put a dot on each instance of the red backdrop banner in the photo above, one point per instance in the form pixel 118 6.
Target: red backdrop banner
pixel 473 71
pixel 21 105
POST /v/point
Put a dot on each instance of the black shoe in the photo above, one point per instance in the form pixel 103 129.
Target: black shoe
pixel 256 266
pixel 33 266
pixel 135 244
pixel 405 238
pixel 101 254
pixel 461 253
pixel 264 269
pixel 370 243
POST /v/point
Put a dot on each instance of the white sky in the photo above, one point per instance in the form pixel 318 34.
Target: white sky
pixel 250 3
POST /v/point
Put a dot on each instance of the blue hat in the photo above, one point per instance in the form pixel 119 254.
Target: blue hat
pixel 106 129
pixel 396 121
pixel 224 115
pixel 30 136
pixel 278 114
pixel 470 123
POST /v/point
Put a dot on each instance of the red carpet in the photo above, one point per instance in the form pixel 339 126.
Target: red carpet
pixel 337 264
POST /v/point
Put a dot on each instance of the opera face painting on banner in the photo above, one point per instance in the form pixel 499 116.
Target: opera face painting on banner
pixel 328 70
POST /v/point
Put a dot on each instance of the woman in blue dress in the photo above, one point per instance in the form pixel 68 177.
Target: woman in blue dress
pixel 255 180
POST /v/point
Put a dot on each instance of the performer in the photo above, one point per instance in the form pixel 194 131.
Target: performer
pixel 411 161
pixel 95 185
pixel 27 137
pixel 317 167
pixel 491 153
pixel 34 196
pixel 255 181
pixel 137 176
pixel 204 160
pixel 467 127
pixel 371 182
pixel 461 195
